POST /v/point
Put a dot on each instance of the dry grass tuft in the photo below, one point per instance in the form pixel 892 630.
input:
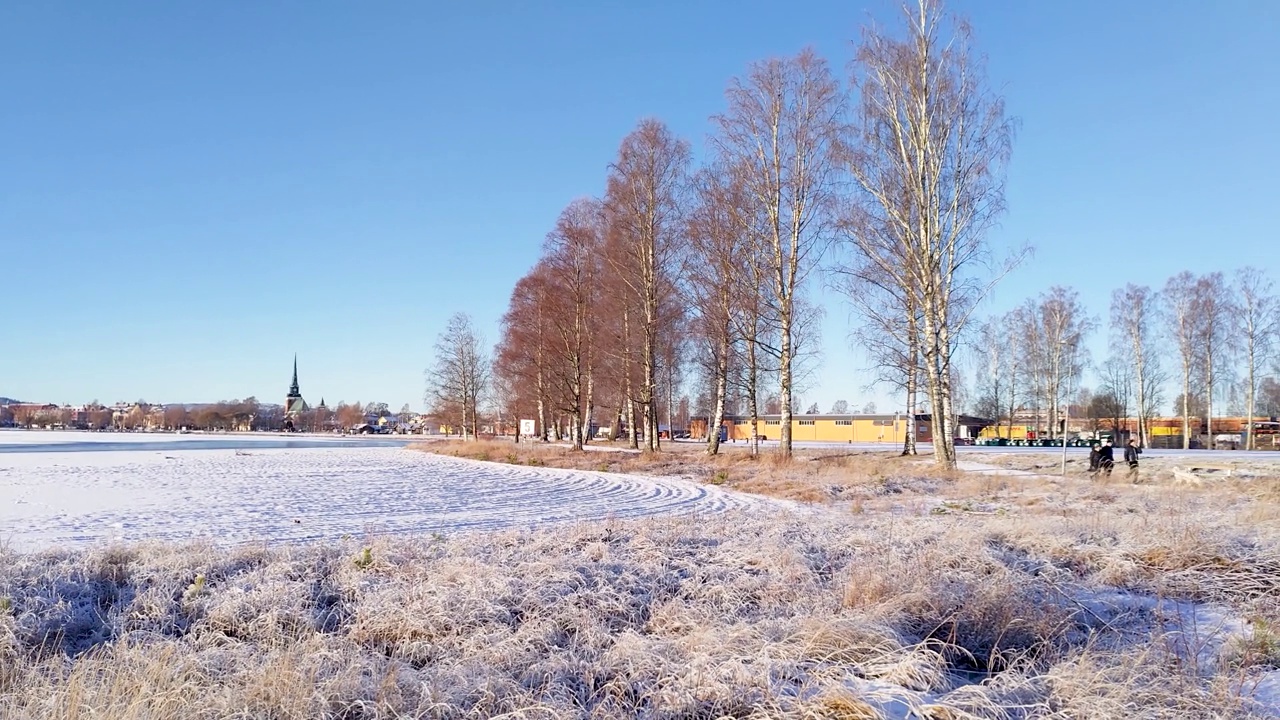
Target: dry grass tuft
pixel 843 705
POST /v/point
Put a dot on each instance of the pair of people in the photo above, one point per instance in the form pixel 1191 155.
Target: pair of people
pixel 1102 459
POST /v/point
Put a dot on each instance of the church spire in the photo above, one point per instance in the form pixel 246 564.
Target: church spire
pixel 293 389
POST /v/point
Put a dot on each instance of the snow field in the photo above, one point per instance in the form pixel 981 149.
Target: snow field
pixel 66 437
pixel 59 499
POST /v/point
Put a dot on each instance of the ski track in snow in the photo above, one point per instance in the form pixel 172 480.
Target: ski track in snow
pixel 59 499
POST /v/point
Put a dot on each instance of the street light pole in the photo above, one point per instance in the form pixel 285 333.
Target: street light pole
pixel 1066 411
pixel 1066 418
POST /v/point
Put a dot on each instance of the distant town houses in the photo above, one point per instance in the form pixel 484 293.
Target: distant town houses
pixel 247 415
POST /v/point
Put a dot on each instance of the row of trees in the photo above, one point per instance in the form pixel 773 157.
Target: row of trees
pixel 1203 334
pixel 885 187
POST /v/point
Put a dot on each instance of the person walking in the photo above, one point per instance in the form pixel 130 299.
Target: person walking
pixel 1095 459
pixel 1107 459
pixel 1131 454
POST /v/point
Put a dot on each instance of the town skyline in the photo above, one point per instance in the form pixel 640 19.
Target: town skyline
pixel 290 396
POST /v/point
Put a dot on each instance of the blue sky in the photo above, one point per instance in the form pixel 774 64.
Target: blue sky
pixel 190 193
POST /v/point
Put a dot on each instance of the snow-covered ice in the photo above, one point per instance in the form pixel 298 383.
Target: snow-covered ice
pixel 1265 693
pixel 233 496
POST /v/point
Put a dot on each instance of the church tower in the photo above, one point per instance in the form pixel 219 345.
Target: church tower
pixel 293 402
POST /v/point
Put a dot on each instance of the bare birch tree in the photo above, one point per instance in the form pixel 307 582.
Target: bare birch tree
pixel 718 239
pixel 753 332
pixel 521 357
pixel 1180 310
pixel 460 372
pixel 1066 324
pixel 1031 356
pixel 1257 322
pixel 621 300
pixel 995 355
pixel 928 159
pixel 871 274
pixel 672 352
pixel 1213 323
pixel 1134 312
pixel 572 257
pixel 781 127
pixel 1116 384
pixel 645 189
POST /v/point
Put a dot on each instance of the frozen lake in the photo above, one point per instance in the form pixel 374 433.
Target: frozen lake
pixel 258 491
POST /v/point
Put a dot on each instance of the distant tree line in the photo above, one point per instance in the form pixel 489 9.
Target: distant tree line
pixel 1209 339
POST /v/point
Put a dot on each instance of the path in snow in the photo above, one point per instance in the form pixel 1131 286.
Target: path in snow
pixel 55 499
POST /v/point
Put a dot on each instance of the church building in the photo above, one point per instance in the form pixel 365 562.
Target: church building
pixel 294 405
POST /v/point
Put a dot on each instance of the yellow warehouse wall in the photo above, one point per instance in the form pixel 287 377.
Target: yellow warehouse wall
pixel 826 431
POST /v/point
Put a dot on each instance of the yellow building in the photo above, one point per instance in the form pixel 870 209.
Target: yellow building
pixel 888 429
pixel 1158 427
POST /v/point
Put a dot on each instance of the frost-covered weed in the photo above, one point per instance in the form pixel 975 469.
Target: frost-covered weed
pixel 814 615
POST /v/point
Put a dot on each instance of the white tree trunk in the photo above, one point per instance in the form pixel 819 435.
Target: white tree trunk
pixel 1186 407
pixel 722 388
pixel 1208 400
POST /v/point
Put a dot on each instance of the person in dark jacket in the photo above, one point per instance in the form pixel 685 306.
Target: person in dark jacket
pixel 1095 458
pixel 1131 454
pixel 1107 461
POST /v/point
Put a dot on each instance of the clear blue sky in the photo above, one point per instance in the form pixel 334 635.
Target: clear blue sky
pixel 190 193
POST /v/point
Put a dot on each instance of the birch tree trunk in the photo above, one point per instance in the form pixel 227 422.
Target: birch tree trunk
pixel 1179 306
pixel 753 396
pixel 913 378
pixel 632 438
pixel 722 388
pixel 1215 307
pixel 1208 400
pixel 590 412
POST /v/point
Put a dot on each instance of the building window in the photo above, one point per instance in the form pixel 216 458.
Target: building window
pixel 806 422
pixel 844 422
pixel 771 422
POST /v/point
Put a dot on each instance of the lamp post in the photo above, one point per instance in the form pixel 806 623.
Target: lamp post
pixel 1066 408
pixel 1066 418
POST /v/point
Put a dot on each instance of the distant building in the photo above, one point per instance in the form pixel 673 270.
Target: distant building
pixel 294 405
pixel 859 428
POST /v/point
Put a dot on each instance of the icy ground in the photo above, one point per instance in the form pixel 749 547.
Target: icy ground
pixel 233 496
